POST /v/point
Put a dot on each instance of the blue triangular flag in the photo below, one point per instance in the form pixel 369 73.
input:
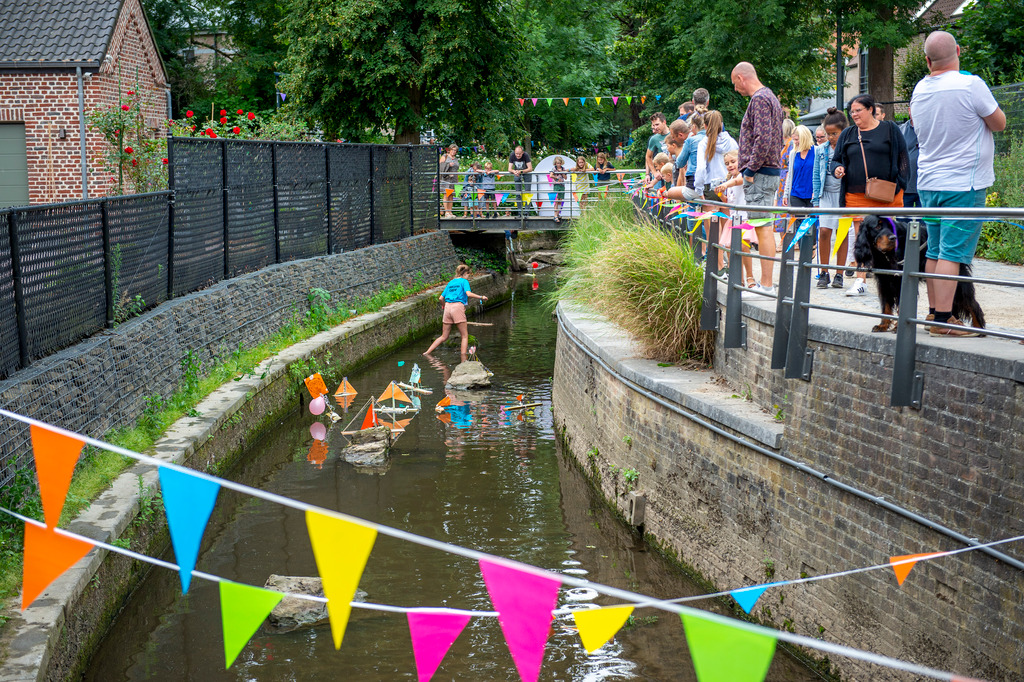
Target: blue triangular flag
pixel 188 502
pixel 552 195
pixel 583 101
pixel 746 597
pixel 282 96
pixel 805 226
pixel 657 98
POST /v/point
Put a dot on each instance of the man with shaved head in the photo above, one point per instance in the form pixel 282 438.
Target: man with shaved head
pixel 760 157
pixel 954 115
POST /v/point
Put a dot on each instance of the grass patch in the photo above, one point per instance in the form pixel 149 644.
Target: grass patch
pixel 97 468
pixel 641 278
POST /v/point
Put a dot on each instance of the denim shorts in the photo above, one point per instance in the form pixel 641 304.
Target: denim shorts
pixel 950 239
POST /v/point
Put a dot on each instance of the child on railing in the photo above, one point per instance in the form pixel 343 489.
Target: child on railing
pixel 470 201
pixel 557 176
pixel 487 179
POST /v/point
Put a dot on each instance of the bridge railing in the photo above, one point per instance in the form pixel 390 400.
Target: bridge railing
pixel 790 350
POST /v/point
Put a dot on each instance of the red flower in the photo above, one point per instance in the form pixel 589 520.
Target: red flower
pixel 213 135
pixel 128 150
pixel 240 112
pixel 125 107
pixel 135 162
pixel 165 162
pixel 223 112
pixel 208 131
pixel 223 120
pixel 131 92
pixel 251 116
pixel 236 130
pixel 188 114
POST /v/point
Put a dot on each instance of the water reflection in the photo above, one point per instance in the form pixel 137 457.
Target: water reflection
pixel 484 478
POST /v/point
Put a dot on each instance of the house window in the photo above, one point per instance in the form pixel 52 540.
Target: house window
pixel 862 68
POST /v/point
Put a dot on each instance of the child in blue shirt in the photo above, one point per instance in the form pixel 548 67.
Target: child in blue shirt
pixel 456 296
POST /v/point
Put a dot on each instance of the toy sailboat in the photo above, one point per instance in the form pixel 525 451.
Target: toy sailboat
pixel 520 405
pixel 396 396
pixel 414 382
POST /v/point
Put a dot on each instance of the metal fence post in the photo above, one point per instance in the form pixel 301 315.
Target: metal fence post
pixel 327 187
pixel 709 301
pixel 277 226
pixel 373 217
pixel 170 218
pixel 798 357
pixel 780 341
pixel 735 329
pixel 224 188
pixel 437 191
pixel 19 293
pixel 907 383
pixel 412 211
pixel 108 265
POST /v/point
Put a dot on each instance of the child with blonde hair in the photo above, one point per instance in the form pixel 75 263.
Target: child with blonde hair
pixel 732 191
pixel 558 175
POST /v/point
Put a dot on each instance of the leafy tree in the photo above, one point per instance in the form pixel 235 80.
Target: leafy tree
pixel 363 66
pixel 174 22
pixel 253 27
pixel 991 33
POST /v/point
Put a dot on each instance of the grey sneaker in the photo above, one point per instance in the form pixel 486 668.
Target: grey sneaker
pixel 824 280
pixel 837 282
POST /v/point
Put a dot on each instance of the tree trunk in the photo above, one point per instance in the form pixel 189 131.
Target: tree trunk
pixel 406 132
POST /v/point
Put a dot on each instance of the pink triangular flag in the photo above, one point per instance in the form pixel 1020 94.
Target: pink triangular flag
pixel 433 633
pixel 534 100
pixel 615 100
pixel 524 602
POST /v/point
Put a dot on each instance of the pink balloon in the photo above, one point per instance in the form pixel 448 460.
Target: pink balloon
pixel 317 405
pixel 318 430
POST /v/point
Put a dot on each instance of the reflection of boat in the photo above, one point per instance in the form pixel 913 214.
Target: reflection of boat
pixel 520 405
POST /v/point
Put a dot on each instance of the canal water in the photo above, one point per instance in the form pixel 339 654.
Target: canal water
pixel 488 480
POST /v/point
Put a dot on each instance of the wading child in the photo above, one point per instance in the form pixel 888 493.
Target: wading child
pixel 558 186
pixel 456 296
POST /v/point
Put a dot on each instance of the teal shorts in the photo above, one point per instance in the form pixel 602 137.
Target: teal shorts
pixel 951 239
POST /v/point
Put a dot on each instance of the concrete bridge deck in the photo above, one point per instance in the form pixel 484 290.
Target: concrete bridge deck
pixel 530 223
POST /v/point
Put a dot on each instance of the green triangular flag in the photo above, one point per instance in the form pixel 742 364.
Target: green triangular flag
pixel 629 99
pixel 549 100
pixel 722 653
pixel 242 609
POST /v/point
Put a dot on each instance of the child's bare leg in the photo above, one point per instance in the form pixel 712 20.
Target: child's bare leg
pixel 441 339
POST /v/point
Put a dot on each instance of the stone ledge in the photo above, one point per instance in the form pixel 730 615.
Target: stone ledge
pixel 692 390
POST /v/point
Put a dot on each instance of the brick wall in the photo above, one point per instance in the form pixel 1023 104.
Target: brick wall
pixel 729 511
pixel 47 101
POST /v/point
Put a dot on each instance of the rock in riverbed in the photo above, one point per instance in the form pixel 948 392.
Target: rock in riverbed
pixel 469 375
pixel 294 613
pixel 370 449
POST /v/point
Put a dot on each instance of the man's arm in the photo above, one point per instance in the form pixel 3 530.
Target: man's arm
pixel 760 144
pixel 996 121
pixel 648 160
pixel 529 167
pixel 511 168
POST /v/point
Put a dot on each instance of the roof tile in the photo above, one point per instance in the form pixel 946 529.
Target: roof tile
pixel 56 30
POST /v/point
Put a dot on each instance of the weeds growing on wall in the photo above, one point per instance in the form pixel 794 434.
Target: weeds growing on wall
pixel 478 259
pixel 641 278
pixel 97 468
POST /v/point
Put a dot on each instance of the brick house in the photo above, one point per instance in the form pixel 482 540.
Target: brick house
pixel 58 59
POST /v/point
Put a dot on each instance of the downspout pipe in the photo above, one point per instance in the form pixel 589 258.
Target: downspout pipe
pixel 81 133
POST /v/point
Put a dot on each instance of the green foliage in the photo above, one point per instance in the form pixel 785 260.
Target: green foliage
pixel 479 259
pixel 991 33
pixel 1003 241
pixel 135 161
pixel 359 67
pixel 318 315
pixel 911 71
pixel 641 278
pixel 631 476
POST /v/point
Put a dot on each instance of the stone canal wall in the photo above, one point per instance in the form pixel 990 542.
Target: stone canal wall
pixel 741 498
pixel 56 636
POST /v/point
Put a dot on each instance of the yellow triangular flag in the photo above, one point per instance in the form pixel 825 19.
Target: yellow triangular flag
pixel 527 198
pixel 903 570
pixel 597 626
pixel 341 549
pixel 598 100
pixel 844 229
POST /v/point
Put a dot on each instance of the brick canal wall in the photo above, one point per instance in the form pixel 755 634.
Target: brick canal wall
pixel 737 517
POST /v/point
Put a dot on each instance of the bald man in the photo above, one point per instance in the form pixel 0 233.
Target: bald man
pixel 760 157
pixel 954 115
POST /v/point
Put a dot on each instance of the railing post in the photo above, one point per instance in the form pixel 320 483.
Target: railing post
pixel 735 329
pixel 783 317
pixel 709 301
pixel 170 218
pixel 798 357
pixel 277 223
pixel 108 265
pixel 373 217
pixel 327 187
pixel 907 384
pixel 411 206
pixel 19 292
pixel 437 192
pixel 224 192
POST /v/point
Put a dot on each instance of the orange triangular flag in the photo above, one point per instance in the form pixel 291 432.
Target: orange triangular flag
pixel 47 555
pixel 345 388
pixel 566 100
pixel 445 401
pixel 393 391
pixel 902 570
pixel 56 456
pixel 370 420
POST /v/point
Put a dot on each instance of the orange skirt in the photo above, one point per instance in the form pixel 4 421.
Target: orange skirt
pixel 861 201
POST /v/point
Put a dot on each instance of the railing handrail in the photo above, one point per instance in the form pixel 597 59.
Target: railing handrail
pixel 895 212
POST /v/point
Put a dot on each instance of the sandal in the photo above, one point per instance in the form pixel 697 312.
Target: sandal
pixel 751 283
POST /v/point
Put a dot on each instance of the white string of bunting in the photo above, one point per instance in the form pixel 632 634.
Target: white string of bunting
pixel 524 596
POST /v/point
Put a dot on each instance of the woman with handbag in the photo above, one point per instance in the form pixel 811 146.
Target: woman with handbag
pixel 872 165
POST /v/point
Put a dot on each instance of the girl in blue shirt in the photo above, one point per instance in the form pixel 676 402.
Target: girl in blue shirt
pixel 456 295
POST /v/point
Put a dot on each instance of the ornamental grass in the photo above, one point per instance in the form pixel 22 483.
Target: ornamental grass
pixel 641 277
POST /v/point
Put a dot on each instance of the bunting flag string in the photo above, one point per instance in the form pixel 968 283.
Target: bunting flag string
pixel 583 100
pixel 342 544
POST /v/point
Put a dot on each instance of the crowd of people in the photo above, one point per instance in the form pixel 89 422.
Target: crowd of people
pixel 942 156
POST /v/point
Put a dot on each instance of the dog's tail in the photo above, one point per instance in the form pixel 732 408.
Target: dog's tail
pixel 965 303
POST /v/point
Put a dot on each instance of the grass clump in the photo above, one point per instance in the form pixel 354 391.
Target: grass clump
pixel 640 277
pixel 1005 241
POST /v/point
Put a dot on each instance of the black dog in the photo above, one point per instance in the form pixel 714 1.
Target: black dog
pixel 881 243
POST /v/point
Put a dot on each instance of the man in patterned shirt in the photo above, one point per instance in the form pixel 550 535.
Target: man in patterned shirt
pixel 760 158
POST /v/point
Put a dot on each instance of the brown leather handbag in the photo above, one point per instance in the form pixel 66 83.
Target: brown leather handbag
pixel 876 189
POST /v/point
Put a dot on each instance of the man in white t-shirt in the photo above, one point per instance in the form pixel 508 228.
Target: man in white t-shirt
pixel 954 114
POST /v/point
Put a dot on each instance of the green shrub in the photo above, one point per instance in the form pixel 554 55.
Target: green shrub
pixel 478 259
pixel 639 277
pixel 1005 241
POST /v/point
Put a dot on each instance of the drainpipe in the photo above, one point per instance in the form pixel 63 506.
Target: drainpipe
pixel 81 132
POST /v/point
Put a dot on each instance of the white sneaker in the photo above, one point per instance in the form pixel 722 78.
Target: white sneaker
pixel 858 288
pixel 759 292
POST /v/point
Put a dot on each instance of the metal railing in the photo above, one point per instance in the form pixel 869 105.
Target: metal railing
pixel 69 270
pixel 790 351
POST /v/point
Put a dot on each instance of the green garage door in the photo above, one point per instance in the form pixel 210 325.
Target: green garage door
pixel 13 165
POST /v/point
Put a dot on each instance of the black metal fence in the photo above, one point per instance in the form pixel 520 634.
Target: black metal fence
pixel 69 270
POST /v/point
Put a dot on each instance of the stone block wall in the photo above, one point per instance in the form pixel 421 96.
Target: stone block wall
pixel 738 517
pixel 102 382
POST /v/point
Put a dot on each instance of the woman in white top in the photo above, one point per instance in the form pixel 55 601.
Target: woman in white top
pixel 711 152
